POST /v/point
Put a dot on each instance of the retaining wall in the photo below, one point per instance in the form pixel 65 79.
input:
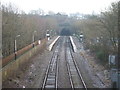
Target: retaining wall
pixel 13 66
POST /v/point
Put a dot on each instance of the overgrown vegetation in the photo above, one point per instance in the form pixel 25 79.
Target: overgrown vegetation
pixel 100 32
pixel 16 22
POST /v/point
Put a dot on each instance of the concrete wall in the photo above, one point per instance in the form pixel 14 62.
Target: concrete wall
pixel 12 67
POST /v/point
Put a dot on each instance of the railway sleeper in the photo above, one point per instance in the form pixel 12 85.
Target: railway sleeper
pixel 50 86
pixel 50 81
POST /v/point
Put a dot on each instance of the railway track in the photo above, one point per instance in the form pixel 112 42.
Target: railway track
pixel 51 75
pixel 76 79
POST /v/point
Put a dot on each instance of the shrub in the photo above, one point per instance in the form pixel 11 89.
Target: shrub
pixel 101 52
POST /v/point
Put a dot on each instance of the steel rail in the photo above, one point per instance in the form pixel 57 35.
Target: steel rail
pixel 68 69
pixel 46 74
pixel 56 78
pixel 78 71
pixel 51 66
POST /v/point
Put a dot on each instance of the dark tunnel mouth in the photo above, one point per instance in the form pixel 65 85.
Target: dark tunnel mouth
pixel 65 32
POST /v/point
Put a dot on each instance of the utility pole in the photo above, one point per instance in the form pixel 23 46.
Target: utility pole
pixel 33 38
pixel 15 47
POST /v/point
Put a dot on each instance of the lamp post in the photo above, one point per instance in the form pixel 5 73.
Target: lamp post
pixel 34 38
pixel 15 47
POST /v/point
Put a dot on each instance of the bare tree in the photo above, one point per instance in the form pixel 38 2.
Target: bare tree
pixel 109 22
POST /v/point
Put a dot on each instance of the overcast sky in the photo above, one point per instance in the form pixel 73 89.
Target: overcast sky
pixel 67 6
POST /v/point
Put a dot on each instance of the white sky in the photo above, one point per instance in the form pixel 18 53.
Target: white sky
pixel 67 6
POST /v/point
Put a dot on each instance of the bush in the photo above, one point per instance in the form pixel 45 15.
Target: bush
pixel 100 52
pixel 94 48
pixel 100 55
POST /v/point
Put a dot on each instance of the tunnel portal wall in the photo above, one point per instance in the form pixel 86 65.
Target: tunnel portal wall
pixel 65 32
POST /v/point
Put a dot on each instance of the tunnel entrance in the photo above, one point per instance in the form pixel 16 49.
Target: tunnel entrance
pixel 65 32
